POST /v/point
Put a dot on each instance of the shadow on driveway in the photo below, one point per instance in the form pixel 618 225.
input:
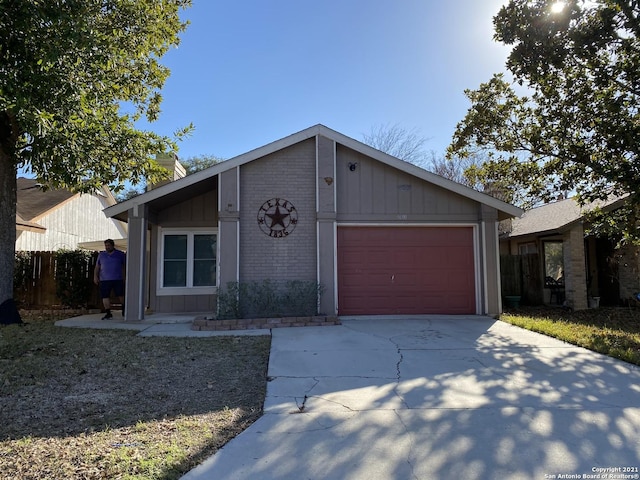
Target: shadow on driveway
pixel 435 397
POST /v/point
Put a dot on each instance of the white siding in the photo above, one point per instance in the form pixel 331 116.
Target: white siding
pixel 78 220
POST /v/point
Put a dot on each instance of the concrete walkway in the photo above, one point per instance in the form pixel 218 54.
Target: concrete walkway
pixel 154 325
pixel 436 397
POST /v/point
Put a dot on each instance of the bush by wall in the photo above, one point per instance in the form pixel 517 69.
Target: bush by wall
pixel 74 277
pixel 268 298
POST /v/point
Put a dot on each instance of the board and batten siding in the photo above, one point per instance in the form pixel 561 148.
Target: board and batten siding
pixel 197 212
pixel 80 219
pixel 373 191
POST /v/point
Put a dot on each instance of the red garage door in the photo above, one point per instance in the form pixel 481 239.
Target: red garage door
pixel 405 270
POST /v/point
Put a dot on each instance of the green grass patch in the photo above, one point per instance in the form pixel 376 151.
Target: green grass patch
pixel 611 331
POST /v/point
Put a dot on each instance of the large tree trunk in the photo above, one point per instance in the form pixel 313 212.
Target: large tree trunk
pixel 8 172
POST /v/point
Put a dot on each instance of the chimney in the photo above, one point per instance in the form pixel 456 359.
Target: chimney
pixel 171 163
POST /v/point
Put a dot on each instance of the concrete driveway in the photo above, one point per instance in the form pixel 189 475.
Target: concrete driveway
pixel 436 397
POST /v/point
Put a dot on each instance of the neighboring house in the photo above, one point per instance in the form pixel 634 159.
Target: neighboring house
pixel 591 271
pixel 48 220
pixel 380 235
pixel 24 226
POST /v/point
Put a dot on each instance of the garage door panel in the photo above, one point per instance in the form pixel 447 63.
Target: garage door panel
pixel 385 270
pixel 369 278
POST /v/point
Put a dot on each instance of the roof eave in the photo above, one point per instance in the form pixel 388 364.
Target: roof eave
pixel 119 210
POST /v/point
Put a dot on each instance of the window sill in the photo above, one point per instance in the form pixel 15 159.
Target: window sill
pixel 163 292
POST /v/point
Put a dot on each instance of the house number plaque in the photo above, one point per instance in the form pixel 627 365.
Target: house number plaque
pixel 277 217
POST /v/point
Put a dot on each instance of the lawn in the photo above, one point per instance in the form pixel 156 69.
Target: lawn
pixel 103 404
pixel 608 330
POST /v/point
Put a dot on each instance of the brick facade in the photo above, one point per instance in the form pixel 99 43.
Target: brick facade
pixel 574 264
pixel 202 324
pixel 288 174
pixel 629 271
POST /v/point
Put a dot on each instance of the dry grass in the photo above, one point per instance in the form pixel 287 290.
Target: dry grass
pixel 94 404
pixel 608 330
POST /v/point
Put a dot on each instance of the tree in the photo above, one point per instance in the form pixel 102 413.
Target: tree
pixel 191 165
pixel 407 145
pixel 575 126
pixel 457 169
pixel 200 162
pixel 129 193
pixel 75 76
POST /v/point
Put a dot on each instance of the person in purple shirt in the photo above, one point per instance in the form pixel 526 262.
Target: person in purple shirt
pixel 109 275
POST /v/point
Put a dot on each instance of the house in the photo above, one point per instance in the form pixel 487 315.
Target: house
pixel 380 235
pixel 48 220
pixel 591 270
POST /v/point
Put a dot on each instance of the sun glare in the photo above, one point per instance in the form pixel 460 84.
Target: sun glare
pixel 557 7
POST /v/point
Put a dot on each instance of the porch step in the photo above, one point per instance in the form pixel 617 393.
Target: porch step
pixel 204 324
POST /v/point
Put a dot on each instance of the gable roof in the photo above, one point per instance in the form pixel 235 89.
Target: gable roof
pixel 555 217
pixel 195 181
pixel 25 225
pixel 33 202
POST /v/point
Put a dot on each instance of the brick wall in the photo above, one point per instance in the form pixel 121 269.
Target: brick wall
pixel 575 274
pixel 202 324
pixel 287 174
pixel 629 271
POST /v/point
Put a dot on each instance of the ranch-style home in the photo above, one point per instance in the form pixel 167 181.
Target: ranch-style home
pixel 380 235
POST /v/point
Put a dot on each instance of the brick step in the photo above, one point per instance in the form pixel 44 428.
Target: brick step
pixel 204 324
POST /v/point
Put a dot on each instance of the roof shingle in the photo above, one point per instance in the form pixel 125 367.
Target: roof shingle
pixel 33 201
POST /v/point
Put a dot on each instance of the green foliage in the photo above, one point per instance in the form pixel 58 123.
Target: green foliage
pixel 73 274
pixel 575 126
pixel 69 71
pixel 606 223
pixel 128 194
pixel 198 163
pixel 610 331
pixel 229 302
pixel 75 77
pixel 268 299
pixel 22 274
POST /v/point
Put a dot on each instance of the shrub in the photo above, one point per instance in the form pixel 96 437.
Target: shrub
pixel 73 277
pixel 22 275
pixel 268 298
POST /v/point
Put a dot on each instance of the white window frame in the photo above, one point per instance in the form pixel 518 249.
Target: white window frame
pixel 188 290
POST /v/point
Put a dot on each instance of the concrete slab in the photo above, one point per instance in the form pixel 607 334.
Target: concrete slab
pixel 435 397
pixel 184 330
pixel 154 325
pixel 95 321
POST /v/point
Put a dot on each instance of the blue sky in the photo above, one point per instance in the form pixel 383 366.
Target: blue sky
pixel 248 72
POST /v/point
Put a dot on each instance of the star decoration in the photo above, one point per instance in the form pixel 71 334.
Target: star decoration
pixel 277 218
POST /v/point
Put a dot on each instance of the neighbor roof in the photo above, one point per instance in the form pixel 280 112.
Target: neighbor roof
pixel 120 210
pixel 25 225
pixel 556 216
pixel 33 202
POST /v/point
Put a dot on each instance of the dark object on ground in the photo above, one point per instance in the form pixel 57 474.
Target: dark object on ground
pixel 9 313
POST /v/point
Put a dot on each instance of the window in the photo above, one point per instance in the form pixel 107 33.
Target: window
pixel 187 262
pixel 553 261
pixel 527 248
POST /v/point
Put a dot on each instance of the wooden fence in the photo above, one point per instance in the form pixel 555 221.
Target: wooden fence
pixel 521 275
pixel 35 280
